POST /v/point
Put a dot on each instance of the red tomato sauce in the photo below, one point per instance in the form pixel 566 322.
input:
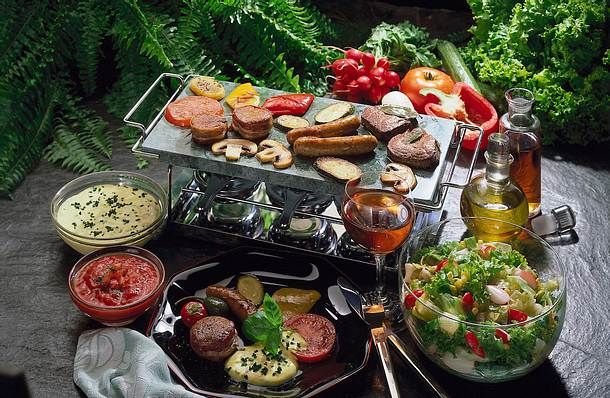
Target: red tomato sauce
pixel 115 280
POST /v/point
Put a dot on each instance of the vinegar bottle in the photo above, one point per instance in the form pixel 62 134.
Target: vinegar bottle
pixel 523 131
pixel 494 196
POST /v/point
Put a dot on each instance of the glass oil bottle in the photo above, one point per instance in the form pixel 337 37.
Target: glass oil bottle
pixel 493 195
pixel 523 131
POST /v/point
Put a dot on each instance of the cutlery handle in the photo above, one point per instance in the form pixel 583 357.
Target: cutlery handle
pixel 384 356
pixel 423 374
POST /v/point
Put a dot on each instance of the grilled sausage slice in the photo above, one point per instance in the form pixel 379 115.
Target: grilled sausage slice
pixel 241 306
pixel 338 128
pixel 335 146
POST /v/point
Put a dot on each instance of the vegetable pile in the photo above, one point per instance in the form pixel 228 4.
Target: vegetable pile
pixel 360 77
pixel 556 48
pixel 485 283
pixel 404 45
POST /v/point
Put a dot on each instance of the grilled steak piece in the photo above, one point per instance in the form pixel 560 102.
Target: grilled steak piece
pixel 213 338
pixel 417 149
pixel 385 126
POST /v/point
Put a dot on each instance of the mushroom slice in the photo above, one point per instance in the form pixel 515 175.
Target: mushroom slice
pixel 273 151
pixel 400 176
pixel 233 148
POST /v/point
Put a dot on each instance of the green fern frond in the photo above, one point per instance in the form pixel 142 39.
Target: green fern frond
pixel 94 25
pixel 25 142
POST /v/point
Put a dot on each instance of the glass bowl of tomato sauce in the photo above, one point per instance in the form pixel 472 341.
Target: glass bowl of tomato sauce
pixel 117 284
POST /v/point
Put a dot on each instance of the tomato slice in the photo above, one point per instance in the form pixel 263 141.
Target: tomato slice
pixel 317 331
pixel 181 111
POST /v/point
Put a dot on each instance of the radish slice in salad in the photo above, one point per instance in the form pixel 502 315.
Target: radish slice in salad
pixel 497 295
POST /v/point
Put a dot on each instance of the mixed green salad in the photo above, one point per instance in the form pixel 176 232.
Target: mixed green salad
pixel 488 284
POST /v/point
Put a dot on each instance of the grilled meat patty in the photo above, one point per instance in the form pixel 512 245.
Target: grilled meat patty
pixel 384 126
pixel 207 129
pixel 421 153
pixel 252 122
pixel 213 338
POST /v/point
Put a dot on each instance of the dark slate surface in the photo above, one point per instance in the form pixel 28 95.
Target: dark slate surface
pixel 39 326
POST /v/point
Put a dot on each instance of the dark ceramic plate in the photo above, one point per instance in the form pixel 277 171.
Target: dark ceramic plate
pixel 275 269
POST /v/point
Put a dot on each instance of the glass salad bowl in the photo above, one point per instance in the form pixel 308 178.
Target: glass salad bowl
pixel 484 311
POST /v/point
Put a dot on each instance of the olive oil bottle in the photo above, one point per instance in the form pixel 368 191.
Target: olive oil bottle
pixel 495 196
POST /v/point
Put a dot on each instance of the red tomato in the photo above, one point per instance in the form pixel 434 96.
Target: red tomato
pixel 467 301
pixel 317 331
pixel 424 77
pixel 181 111
pixel 473 343
pixel 503 335
pixel 191 312
pixel 411 298
pixel 485 250
pixel 516 315
pixel 441 264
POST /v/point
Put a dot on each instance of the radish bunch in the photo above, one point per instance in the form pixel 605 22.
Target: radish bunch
pixel 359 77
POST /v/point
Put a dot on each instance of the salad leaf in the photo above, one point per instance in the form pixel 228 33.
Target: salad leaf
pixel 404 45
pixel 557 49
pixel 431 333
pixel 265 326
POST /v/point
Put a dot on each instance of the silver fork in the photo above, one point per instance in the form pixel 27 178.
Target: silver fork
pixel 374 315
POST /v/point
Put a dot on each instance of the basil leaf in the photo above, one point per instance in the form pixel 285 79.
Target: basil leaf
pixel 257 327
pixel 272 311
pixel 272 344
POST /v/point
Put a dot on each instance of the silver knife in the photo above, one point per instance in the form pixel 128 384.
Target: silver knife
pixel 354 300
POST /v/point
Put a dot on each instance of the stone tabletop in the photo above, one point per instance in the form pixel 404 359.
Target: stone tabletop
pixel 39 326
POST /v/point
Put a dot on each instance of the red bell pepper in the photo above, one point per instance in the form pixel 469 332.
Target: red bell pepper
pixel 441 264
pixel 466 105
pixel 502 335
pixel 289 104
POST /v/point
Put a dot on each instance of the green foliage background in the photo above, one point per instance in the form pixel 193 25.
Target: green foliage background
pixel 51 55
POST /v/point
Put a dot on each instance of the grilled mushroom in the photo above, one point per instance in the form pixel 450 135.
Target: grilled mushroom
pixel 233 148
pixel 400 176
pixel 273 151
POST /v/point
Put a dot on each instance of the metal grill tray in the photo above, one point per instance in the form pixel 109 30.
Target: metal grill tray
pixel 173 144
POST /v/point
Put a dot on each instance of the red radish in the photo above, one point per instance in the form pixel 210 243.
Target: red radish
pixel 375 95
pixel 368 60
pixel 378 76
pixel 354 54
pixel 392 79
pixel 344 68
pixel 485 250
pixel 497 295
pixel 361 71
pixel 528 276
pixel 365 83
pixel 354 98
pixel 353 88
pixel 383 63
pixel 503 335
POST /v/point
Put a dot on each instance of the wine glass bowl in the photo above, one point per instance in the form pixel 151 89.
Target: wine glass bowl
pixel 377 218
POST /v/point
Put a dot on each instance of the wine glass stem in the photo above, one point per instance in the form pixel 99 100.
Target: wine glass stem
pixel 379 264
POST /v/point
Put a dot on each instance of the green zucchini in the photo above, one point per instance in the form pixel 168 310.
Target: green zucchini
pixel 289 122
pixel 334 112
pixel 454 64
pixel 216 306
